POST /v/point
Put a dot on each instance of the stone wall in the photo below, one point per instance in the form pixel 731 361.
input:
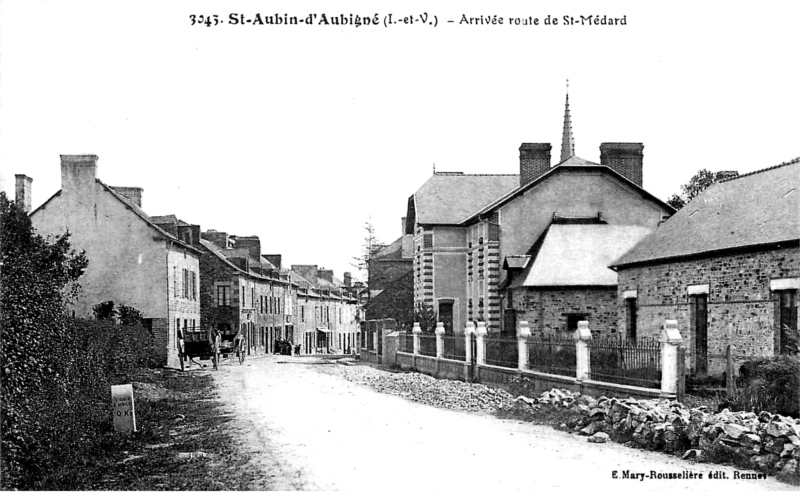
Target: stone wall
pixel 545 309
pixel 741 307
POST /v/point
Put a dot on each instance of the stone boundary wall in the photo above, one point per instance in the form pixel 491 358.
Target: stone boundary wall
pixel 502 377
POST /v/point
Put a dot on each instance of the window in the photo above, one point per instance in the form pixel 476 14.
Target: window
pixel 252 296
pixel 185 283
pixel 178 334
pixel 223 295
pixel 630 318
pixel 698 305
pixel 786 331
pixel 427 241
pixel 302 313
pixel 194 286
pixel 573 319
pixel 243 299
pixel 174 281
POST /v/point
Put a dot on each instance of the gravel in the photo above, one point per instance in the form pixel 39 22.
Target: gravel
pixel 442 393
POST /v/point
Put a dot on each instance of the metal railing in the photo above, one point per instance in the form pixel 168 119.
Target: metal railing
pixel 553 354
pixel 502 352
pixel 455 347
pixel 635 363
pixel 427 344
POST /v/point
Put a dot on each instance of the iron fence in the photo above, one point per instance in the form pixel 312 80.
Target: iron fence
pixel 633 363
pixel 455 347
pixel 427 344
pixel 502 352
pixel 553 354
pixel 406 342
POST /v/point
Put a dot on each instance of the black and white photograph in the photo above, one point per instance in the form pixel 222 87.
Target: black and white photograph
pixel 412 246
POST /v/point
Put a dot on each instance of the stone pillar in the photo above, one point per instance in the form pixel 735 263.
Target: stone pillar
pixel 480 335
pixel 582 338
pixel 523 333
pixel 469 332
pixel 670 342
pixel 439 340
pixel 415 334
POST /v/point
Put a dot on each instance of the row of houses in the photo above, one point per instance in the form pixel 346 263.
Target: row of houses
pixel 581 240
pixel 184 280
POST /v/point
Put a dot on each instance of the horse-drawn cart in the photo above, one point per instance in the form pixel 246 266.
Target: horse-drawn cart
pixel 210 345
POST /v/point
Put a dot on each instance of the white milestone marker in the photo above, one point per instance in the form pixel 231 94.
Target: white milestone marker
pixel 122 408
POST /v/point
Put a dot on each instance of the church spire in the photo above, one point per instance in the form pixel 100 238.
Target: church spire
pixel 567 140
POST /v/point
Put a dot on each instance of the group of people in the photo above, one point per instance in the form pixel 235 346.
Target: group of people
pixel 284 347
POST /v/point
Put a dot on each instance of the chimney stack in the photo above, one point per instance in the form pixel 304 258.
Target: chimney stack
pixel 325 274
pixel 348 278
pixel 22 192
pixel 78 172
pixel 132 193
pixel 251 243
pixel 402 225
pixel 624 158
pixel 219 239
pixel 534 160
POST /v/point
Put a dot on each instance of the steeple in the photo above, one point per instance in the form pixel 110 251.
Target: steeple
pixel 567 140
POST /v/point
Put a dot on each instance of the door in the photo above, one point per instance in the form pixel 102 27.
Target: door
pixel 446 315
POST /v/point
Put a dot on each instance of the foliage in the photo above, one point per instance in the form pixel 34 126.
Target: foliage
pixel 56 370
pixel 696 185
pixel 129 315
pixel 425 316
pixel 104 310
pixel 770 384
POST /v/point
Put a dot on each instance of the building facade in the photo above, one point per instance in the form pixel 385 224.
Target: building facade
pixel 726 267
pixel 132 260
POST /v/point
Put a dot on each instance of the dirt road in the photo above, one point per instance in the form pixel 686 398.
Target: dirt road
pixel 312 431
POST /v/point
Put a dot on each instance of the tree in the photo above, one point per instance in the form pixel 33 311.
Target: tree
pixel 696 185
pixel 370 247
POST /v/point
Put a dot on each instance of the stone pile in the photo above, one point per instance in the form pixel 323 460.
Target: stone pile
pixel 764 442
pixel 443 393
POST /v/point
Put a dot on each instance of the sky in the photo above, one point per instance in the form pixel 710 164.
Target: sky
pixel 301 134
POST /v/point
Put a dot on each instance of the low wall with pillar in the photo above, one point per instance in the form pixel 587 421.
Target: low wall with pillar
pixel 475 368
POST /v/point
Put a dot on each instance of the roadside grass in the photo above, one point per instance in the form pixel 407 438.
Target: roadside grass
pixel 184 442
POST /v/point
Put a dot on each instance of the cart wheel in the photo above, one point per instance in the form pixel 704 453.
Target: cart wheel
pixel 181 357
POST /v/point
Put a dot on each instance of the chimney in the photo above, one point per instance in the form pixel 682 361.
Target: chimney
pixel 22 192
pixel 132 193
pixel 624 158
pixel 78 172
pixel 402 225
pixel 219 239
pixel 326 274
pixel 251 243
pixel 534 160
pixel 274 259
pixel 348 278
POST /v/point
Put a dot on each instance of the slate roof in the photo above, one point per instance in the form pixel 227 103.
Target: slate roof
pixel 392 251
pixel 578 255
pixel 755 209
pixel 573 163
pixel 449 198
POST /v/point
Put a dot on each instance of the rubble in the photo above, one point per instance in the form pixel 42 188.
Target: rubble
pixel 442 393
pixel 768 443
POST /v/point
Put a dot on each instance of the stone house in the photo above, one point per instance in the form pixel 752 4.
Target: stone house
pixel 390 279
pixel 328 309
pixel 132 260
pixel 241 290
pixel 726 267
pixel 554 229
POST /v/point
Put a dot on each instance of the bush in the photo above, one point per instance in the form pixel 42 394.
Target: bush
pixel 771 384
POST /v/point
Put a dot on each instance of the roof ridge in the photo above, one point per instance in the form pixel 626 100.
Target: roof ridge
pixel 793 161
pixel 459 173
